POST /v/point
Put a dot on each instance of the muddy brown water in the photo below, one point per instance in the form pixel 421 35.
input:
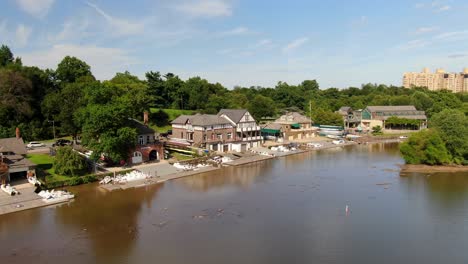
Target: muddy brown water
pixel 288 210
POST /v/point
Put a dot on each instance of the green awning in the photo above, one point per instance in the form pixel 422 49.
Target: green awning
pixel 270 131
pixel 297 126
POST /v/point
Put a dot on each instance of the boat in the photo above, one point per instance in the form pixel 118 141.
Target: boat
pixel 338 142
pixel 106 180
pixel 9 189
pixel 34 181
pixel 56 196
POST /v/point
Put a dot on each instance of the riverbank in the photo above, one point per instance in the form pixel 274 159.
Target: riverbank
pixel 432 169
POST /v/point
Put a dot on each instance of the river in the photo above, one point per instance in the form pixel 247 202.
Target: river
pixel 286 210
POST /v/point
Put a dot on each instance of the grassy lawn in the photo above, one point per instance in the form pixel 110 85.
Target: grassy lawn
pixel 45 162
pixel 173 114
pixel 181 157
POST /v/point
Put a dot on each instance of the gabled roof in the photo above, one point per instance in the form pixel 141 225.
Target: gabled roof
pixel 345 109
pixel 141 128
pixel 200 120
pixel 274 126
pixel 387 108
pixel 293 118
pixel 15 145
pixel 234 114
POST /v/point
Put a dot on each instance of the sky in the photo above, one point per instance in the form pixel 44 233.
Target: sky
pixel 243 42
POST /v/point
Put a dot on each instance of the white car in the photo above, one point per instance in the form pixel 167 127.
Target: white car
pixel 403 137
pixel 35 144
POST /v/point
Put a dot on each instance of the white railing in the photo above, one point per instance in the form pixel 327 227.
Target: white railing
pixel 247 129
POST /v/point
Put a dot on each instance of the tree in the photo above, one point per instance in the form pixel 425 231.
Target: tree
pixel 261 106
pixel 72 68
pixel 325 117
pixel 425 147
pixel 68 162
pixel 453 128
pixel 6 56
pixel 158 90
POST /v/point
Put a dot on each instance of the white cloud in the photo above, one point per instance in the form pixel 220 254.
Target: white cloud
pixel 120 26
pixel 22 34
pixel 37 8
pixel 236 31
pixel 262 43
pixel 105 62
pixel 457 56
pixel 413 44
pixel 206 8
pixel 444 8
pixel 14 37
pixel 452 36
pixel 295 44
pixel 423 30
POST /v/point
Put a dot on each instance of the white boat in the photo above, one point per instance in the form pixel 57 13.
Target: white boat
pixel 338 142
pixel 106 180
pixel 9 190
pixel 33 180
pixel 314 145
pixel 56 196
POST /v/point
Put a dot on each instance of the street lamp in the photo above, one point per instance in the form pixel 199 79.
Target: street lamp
pixel 53 125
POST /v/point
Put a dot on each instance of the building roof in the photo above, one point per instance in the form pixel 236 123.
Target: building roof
pixel 275 126
pixel 345 109
pixel 201 120
pixel 234 114
pixel 141 128
pixel 293 118
pixel 388 108
pixel 15 161
pixel 15 145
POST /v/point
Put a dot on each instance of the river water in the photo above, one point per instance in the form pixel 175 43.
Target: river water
pixel 287 210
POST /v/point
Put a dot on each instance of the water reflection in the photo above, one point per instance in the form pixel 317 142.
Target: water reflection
pixel 108 220
pixel 228 177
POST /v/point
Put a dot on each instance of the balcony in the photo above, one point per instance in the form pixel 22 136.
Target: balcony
pixel 247 129
pixel 252 138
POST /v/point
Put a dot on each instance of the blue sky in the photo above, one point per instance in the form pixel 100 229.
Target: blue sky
pixel 243 42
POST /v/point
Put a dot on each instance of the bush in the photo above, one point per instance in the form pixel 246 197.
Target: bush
pixel 425 147
pixel 377 130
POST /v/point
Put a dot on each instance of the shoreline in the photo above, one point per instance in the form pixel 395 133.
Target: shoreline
pixel 421 168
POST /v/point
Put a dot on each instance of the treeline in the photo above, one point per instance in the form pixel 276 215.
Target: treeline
pixel 77 103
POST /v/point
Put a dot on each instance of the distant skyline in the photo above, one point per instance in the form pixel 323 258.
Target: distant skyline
pixel 240 42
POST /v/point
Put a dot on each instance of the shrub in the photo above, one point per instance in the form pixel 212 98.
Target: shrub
pixel 69 163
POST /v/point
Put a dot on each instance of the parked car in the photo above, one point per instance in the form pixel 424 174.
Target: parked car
pixel 403 137
pixel 35 144
pixel 62 142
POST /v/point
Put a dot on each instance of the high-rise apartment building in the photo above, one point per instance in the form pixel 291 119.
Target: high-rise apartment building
pixel 440 80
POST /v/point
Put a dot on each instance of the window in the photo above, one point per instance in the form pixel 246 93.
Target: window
pixel 147 139
pixel 181 134
pixel 219 136
pixel 229 135
pixel 140 140
pixel 204 137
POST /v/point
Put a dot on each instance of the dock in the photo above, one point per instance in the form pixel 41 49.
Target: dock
pixel 159 174
pixel 27 199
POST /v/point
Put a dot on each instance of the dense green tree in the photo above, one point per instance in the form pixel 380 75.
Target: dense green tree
pixel 261 106
pixel 325 117
pixel 6 56
pixel 453 128
pixel 425 147
pixel 68 162
pixel 72 68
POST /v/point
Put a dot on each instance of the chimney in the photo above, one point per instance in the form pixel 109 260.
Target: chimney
pixel 18 134
pixel 145 118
